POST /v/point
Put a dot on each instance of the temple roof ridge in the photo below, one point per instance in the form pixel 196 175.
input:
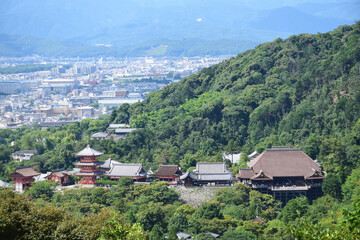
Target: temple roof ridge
pixel 88 151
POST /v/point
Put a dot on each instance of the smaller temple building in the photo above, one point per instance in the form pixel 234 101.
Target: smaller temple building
pixel 89 165
pixel 189 179
pixel 132 170
pixel 23 155
pixel 213 173
pixel 61 176
pixel 169 173
pixel 285 173
pixel 23 177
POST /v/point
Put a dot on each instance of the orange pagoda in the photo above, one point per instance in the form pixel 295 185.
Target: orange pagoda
pixel 89 165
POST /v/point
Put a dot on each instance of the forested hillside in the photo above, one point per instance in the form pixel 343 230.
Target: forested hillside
pixel 303 91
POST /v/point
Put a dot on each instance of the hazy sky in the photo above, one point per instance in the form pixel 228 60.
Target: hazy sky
pixel 133 21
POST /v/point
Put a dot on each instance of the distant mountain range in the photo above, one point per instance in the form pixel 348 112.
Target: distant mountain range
pixel 159 27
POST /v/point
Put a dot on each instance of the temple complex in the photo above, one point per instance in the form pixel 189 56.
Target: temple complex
pixel 23 177
pixel 89 165
pixel 285 173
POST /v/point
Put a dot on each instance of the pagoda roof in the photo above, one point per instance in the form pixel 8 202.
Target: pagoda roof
pixel 88 152
pixel 96 163
pixel 25 171
pixel 96 173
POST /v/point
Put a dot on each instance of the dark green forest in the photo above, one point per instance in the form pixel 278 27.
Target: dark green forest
pixel 303 91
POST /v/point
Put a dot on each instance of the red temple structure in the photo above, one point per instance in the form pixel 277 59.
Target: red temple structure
pixel 89 165
pixel 23 177
pixel 61 176
pixel 169 173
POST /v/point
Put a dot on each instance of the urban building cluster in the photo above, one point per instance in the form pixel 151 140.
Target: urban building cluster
pixel 74 89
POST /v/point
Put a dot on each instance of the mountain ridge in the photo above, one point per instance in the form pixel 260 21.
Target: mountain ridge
pixel 18 46
pixel 131 23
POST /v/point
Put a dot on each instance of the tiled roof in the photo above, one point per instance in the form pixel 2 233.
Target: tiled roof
pixel 215 176
pixel 168 170
pixel 99 135
pixel 213 171
pixel 25 152
pixel 88 151
pixel 261 176
pixel 126 170
pixel 245 173
pixel 97 163
pixel 59 173
pixel 213 167
pixel 182 235
pixel 284 162
pixel 26 171
pixel 124 130
pixel 109 163
pixel 188 174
